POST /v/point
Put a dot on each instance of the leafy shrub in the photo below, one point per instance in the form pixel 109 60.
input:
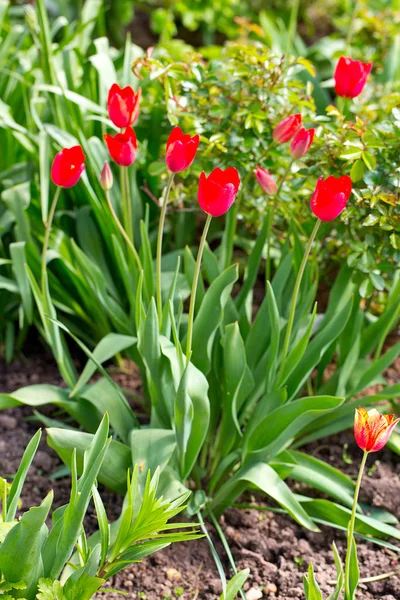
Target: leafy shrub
pixel 63 563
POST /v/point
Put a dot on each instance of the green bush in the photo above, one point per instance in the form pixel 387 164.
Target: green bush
pixel 63 563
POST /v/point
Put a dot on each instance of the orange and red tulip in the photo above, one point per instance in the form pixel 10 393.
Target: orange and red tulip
pixel 372 430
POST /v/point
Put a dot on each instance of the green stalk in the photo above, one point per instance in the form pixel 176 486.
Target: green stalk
pixel 292 25
pixel 129 225
pixel 271 221
pixel 194 289
pixel 230 227
pixel 350 31
pixel 126 203
pixel 226 547
pixel 129 242
pixel 159 244
pixel 350 533
pixel 47 232
pixel 295 296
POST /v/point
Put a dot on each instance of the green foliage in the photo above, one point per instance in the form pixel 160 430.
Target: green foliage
pixel 63 563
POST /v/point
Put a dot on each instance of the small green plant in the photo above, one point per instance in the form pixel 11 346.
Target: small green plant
pixel 63 563
pixel 372 432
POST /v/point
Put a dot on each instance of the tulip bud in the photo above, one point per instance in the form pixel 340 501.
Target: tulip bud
pixel 301 142
pixel 106 177
pixel 287 128
pixel 267 183
pixel 372 430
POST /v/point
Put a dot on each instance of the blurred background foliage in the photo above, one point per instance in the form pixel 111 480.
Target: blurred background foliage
pixel 214 67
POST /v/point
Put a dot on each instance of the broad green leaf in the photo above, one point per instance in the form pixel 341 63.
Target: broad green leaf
pixel 319 475
pixel 17 252
pixel 107 348
pixel 116 462
pixel 151 449
pixel 20 553
pixel 262 477
pixel 274 433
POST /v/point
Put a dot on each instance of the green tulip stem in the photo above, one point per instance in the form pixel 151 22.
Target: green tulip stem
pixel 194 289
pixel 124 234
pixel 161 225
pixel 350 31
pixel 295 296
pixel 126 202
pixel 350 532
pixel 46 239
pixel 270 217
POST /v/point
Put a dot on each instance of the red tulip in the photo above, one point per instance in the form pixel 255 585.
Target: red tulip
pixel 123 105
pixel 372 430
pixel 351 77
pixel 287 128
pixel 68 165
pixel 330 197
pixel 181 150
pixel 301 142
pixel 267 183
pixel 122 147
pixel 217 192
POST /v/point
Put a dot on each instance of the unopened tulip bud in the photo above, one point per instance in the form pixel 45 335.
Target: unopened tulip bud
pixel 301 142
pixel 106 177
pixel 266 181
pixel 287 128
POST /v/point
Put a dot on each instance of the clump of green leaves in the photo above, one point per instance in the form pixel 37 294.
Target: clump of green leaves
pixel 63 563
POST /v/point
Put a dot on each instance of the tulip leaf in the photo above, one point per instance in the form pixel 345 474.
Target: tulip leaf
pixel 264 478
pixel 107 348
pixel 210 316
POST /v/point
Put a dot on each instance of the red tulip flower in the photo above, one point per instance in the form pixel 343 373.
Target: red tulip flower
pixel 217 192
pixel 181 150
pixel 287 128
pixel 330 197
pixel 68 165
pixel 372 430
pixel 351 77
pixel 266 181
pixel 123 105
pixel 122 147
pixel 301 142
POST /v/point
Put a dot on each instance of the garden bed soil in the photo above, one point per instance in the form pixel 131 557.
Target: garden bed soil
pixel 275 549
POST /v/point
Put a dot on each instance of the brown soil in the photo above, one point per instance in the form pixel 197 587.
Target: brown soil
pixel 276 550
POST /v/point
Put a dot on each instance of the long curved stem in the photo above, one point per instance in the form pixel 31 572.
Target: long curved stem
pixel 350 31
pixel 350 532
pixel 295 296
pixel 159 244
pixel 231 223
pixel 292 25
pixel 124 234
pixel 128 205
pixel 194 289
pixel 46 239
pixel 271 221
